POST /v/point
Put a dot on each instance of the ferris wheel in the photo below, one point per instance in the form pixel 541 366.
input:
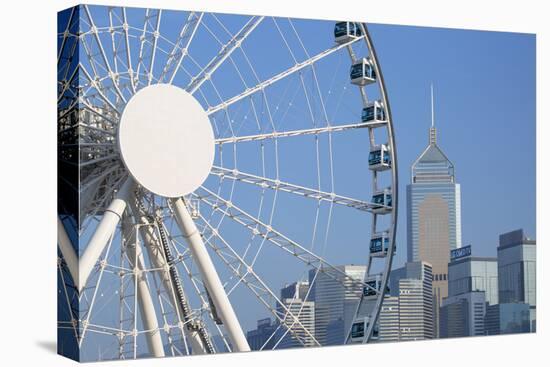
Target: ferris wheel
pixel 207 159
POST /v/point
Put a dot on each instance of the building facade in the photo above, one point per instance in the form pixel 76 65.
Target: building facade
pixel 517 271
pixel 474 274
pixel 336 300
pixel 388 321
pixel 261 337
pixel 434 214
pixel 463 315
pixel 416 309
pixel 297 309
pixel 508 318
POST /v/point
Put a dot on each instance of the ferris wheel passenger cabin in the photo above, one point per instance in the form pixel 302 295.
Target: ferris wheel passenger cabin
pixel 379 244
pixel 382 202
pixel 373 286
pixel 362 72
pixel 374 114
pixel 360 327
pixel 346 31
pixel 379 158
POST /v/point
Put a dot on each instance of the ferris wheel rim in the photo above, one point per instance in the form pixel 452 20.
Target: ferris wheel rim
pixel 330 194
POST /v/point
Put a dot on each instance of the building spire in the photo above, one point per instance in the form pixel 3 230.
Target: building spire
pixel 433 131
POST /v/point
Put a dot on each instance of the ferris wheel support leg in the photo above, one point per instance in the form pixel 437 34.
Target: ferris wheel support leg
pixel 104 231
pixel 67 251
pixel 210 276
pixel 146 306
pixel 155 254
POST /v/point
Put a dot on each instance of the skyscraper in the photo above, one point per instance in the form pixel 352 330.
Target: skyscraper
pixel 463 315
pixel 335 301
pixel 517 271
pixel 262 336
pixel 474 274
pixel 293 298
pixel 388 322
pixel 416 321
pixel 433 218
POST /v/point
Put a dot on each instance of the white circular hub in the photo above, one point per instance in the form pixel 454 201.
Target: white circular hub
pixel 166 140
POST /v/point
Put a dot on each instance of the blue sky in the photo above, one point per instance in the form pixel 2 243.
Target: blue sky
pixel 485 114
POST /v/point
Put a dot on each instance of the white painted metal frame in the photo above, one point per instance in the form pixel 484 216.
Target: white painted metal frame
pixel 107 85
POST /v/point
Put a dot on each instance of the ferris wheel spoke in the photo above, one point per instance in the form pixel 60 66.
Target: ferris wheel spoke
pixel 118 27
pixel 68 84
pixel 73 323
pixel 224 53
pixel 251 280
pixel 125 27
pixel 94 84
pixel 275 237
pixel 266 83
pixel 291 133
pixel 111 74
pixel 147 47
pixel 66 34
pixel 181 47
pixel 315 194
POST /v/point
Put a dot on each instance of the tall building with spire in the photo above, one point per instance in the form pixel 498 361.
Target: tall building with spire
pixel 433 213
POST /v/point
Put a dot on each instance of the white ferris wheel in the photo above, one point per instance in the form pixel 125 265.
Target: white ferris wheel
pixel 204 160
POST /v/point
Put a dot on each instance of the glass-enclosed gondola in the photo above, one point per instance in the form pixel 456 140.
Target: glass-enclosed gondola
pixel 379 244
pixel 359 328
pixel 346 31
pixel 372 287
pixel 374 114
pixel 382 201
pixel 380 158
pixel 362 72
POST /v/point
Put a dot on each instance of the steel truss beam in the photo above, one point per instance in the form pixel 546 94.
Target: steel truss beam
pixel 290 133
pixel 224 53
pixel 275 237
pixel 181 47
pixel 246 274
pixel 269 183
pixel 299 66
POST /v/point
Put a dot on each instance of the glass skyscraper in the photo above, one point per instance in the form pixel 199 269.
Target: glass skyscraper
pixel 433 218
pixel 517 271
pixel 474 274
pixel 335 301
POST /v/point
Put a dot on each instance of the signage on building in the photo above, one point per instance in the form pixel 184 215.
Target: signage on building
pixel 461 252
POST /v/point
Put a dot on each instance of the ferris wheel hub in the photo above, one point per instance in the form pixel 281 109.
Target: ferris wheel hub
pixel 166 140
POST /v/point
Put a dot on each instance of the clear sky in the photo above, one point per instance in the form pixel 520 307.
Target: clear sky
pixel 485 114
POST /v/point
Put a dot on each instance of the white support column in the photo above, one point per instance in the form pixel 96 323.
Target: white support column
pixel 105 229
pixel 157 258
pixel 210 276
pixel 146 306
pixel 68 251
